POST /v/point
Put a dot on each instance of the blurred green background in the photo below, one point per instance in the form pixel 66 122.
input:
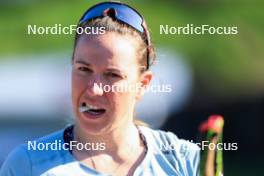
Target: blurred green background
pixel 227 69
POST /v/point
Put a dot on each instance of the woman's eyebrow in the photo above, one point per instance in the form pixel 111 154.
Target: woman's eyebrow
pixel 113 69
pixel 82 62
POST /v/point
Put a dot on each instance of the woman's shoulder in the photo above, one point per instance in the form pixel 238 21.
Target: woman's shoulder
pixel 180 153
pixel 32 153
pixel 160 137
pixel 16 163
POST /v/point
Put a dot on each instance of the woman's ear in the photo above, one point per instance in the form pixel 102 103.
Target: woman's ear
pixel 144 80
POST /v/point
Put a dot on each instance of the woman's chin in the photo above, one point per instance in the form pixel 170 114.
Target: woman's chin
pixel 94 126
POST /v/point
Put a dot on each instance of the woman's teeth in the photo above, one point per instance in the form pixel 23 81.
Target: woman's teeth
pixel 93 107
pixel 86 107
pixel 83 108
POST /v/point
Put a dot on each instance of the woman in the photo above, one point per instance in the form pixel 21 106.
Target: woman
pixel 115 143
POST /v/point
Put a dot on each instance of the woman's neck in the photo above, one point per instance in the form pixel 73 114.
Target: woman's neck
pixel 118 141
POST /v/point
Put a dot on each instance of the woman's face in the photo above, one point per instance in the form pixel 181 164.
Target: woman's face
pixel 105 60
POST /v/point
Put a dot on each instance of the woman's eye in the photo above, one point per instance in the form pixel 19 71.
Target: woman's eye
pixel 113 75
pixel 84 69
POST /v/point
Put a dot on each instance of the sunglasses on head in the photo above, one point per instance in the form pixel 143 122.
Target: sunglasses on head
pixel 121 12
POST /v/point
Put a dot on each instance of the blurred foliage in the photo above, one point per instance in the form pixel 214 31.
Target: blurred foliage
pixel 224 64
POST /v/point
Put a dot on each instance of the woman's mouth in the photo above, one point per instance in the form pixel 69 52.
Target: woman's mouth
pixel 91 111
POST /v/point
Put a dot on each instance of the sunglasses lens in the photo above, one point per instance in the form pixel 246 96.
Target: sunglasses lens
pixel 123 13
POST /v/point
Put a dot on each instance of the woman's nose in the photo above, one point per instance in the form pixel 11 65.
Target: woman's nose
pixel 95 88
